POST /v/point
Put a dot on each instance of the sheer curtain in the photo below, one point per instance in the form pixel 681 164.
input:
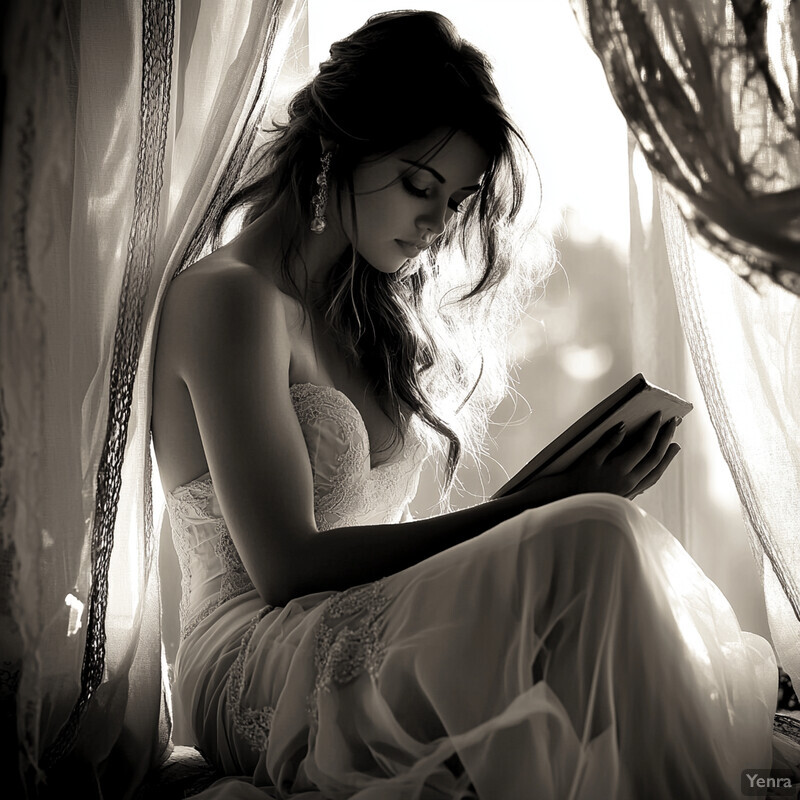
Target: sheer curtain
pixel 125 123
pixel 710 92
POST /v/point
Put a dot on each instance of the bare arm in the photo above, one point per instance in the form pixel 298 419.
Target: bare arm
pixel 231 335
pixel 349 556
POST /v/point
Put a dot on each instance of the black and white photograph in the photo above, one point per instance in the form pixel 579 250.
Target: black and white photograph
pixel 400 403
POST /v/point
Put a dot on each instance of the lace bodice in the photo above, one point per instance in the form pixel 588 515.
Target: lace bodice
pixel 347 491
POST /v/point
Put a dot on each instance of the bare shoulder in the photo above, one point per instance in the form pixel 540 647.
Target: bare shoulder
pixel 218 305
pixel 222 288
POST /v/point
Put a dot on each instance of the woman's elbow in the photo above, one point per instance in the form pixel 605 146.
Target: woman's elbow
pixel 282 581
pixel 275 588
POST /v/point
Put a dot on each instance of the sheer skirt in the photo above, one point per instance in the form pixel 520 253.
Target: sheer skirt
pixel 574 651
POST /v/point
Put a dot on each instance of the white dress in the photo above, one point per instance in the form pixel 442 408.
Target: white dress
pixel 574 651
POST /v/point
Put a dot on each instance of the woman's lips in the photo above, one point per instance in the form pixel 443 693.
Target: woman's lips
pixel 409 248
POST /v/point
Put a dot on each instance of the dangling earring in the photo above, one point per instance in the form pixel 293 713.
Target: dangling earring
pixel 320 199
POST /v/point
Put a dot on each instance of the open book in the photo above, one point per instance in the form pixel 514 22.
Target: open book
pixel 633 403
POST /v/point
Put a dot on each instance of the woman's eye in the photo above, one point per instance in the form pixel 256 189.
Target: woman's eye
pixel 415 190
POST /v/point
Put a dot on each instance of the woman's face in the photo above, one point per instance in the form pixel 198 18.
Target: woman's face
pixel 403 201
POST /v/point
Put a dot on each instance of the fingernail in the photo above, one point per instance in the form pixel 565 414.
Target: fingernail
pixel 675 421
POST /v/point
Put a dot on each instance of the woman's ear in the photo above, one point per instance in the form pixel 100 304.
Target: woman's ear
pixel 326 144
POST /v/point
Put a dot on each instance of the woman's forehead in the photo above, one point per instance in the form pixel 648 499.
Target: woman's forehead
pixel 454 156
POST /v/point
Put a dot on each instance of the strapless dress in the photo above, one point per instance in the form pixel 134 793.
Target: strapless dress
pixel 573 651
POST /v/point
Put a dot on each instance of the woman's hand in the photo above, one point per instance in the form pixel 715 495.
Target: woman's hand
pixel 620 463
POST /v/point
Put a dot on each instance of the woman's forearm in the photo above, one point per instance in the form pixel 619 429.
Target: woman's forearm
pixel 349 556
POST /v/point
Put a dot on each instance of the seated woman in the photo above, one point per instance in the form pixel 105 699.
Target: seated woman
pixel 555 643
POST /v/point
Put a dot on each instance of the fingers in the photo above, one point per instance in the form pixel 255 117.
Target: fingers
pixel 608 442
pixel 639 445
pixel 657 450
pixel 655 475
pixel 636 459
pixel 644 449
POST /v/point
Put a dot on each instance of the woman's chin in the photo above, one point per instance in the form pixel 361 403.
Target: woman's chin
pixel 389 267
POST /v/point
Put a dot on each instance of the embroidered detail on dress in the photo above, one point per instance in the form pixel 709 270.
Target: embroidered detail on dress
pixel 252 724
pixel 187 500
pixel 192 500
pixel 235 580
pixel 313 403
pixel 356 491
pixel 343 653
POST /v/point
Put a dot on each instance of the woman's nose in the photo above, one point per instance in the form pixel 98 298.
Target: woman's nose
pixel 434 221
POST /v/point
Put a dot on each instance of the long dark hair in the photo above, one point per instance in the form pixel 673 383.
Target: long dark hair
pixel 394 81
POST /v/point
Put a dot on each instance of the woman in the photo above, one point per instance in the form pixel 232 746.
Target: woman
pixel 554 643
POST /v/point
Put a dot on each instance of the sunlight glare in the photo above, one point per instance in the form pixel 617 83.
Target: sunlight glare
pixel 586 363
pixel 75 613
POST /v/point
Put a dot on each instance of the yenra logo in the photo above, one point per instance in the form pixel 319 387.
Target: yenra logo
pixel 755 781
pixel 759 782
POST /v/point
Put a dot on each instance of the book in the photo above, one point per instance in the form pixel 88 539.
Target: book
pixel 633 403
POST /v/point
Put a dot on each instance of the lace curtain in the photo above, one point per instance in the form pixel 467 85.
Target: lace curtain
pixel 710 92
pixel 125 124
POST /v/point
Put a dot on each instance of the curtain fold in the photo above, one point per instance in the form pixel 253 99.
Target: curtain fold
pixel 696 498
pixel 710 90
pixel 123 123
pixel 710 94
pixel 658 350
pixel 745 350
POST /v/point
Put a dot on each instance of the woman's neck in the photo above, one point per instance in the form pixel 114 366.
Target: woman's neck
pixel 260 244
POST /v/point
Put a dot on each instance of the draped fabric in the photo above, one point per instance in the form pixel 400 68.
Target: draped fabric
pixel 696 498
pixel 710 93
pixel 745 348
pixel 125 124
pixel 710 90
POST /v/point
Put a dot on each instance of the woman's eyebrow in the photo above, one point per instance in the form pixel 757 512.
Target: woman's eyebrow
pixel 437 175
